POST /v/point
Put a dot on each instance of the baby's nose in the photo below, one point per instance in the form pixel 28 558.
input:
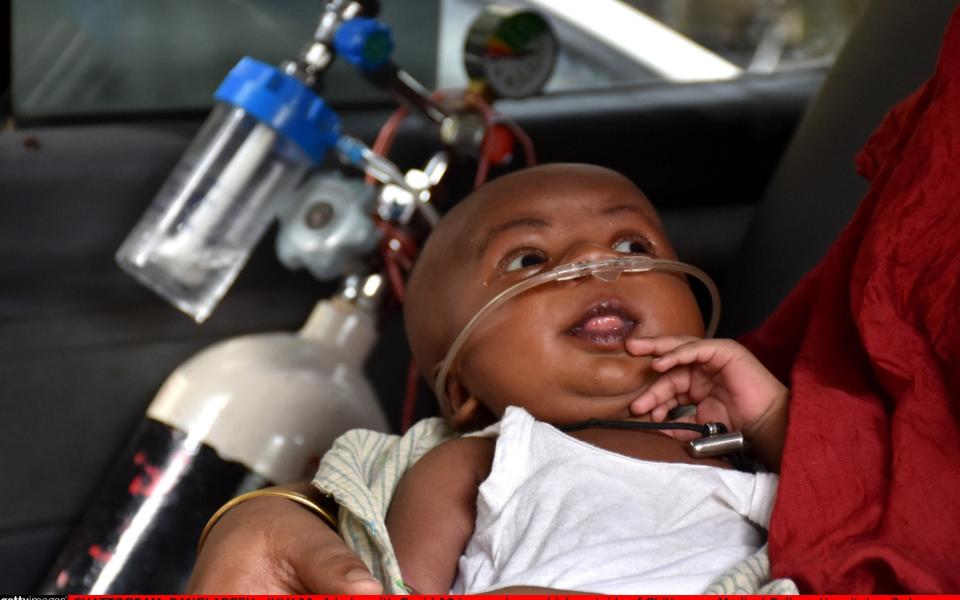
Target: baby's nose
pixel 587 251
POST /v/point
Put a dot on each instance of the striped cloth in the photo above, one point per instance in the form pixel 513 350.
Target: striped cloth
pixel 363 468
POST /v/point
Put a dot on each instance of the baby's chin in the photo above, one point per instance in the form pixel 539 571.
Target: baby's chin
pixel 609 376
pixel 610 402
pixel 585 408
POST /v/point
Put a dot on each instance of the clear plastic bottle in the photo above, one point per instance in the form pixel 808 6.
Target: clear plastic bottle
pixel 266 130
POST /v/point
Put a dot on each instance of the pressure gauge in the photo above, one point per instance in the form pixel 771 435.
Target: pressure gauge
pixel 510 50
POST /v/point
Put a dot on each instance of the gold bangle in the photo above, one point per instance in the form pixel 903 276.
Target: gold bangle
pixel 297 497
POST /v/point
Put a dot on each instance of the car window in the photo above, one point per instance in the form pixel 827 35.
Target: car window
pixel 610 42
pixel 120 56
pixel 105 57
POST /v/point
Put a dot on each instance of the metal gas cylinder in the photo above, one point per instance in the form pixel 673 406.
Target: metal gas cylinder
pixel 245 413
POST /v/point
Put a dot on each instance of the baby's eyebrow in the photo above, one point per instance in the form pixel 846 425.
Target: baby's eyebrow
pixel 490 234
pixel 620 208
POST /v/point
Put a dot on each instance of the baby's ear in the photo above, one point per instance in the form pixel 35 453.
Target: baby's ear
pixel 464 408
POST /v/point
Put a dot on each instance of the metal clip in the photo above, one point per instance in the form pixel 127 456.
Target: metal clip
pixel 716 445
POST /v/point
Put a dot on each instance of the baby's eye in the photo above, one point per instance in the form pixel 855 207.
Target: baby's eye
pixel 523 259
pixel 634 246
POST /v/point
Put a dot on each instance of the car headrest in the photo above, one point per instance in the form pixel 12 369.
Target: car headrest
pixel 815 190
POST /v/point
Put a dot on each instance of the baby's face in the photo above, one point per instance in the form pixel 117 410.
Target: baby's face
pixel 558 349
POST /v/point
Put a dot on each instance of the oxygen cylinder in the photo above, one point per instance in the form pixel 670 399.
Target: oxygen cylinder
pixel 245 413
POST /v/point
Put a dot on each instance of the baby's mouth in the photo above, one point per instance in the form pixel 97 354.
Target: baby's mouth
pixel 605 323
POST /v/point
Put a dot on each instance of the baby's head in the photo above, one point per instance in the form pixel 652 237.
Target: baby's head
pixel 556 350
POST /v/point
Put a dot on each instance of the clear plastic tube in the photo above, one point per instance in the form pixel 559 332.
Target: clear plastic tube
pixel 608 270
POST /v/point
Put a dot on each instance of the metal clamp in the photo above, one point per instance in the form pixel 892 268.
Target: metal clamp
pixel 716 445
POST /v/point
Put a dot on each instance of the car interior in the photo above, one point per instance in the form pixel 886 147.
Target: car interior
pixel 754 178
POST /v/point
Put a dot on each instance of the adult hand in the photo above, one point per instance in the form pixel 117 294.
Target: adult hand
pixel 271 545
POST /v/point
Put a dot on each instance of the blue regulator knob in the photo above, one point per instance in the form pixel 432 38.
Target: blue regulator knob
pixel 283 103
pixel 364 43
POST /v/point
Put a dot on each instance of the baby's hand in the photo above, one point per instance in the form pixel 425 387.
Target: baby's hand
pixel 723 379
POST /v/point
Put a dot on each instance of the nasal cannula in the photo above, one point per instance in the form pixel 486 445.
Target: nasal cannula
pixel 608 270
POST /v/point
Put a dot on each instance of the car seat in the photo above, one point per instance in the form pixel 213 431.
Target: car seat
pixel 815 190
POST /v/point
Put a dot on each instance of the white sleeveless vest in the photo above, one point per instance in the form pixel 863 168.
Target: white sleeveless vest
pixel 558 512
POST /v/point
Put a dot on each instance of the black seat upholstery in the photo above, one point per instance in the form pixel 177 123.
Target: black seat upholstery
pixel 815 189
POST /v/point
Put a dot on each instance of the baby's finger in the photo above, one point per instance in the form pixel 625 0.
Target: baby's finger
pixel 662 412
pixel 711 355
pixel 656 346
pixel 659 414
pixel 664 388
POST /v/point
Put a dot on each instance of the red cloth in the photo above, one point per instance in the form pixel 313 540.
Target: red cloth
pixel 869 497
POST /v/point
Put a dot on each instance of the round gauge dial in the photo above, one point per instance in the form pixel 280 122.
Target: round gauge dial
pixel 513 51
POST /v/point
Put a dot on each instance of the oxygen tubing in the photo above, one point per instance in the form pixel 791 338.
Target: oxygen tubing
pixel 608 270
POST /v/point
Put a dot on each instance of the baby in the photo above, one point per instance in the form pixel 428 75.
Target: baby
pixel 520 505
